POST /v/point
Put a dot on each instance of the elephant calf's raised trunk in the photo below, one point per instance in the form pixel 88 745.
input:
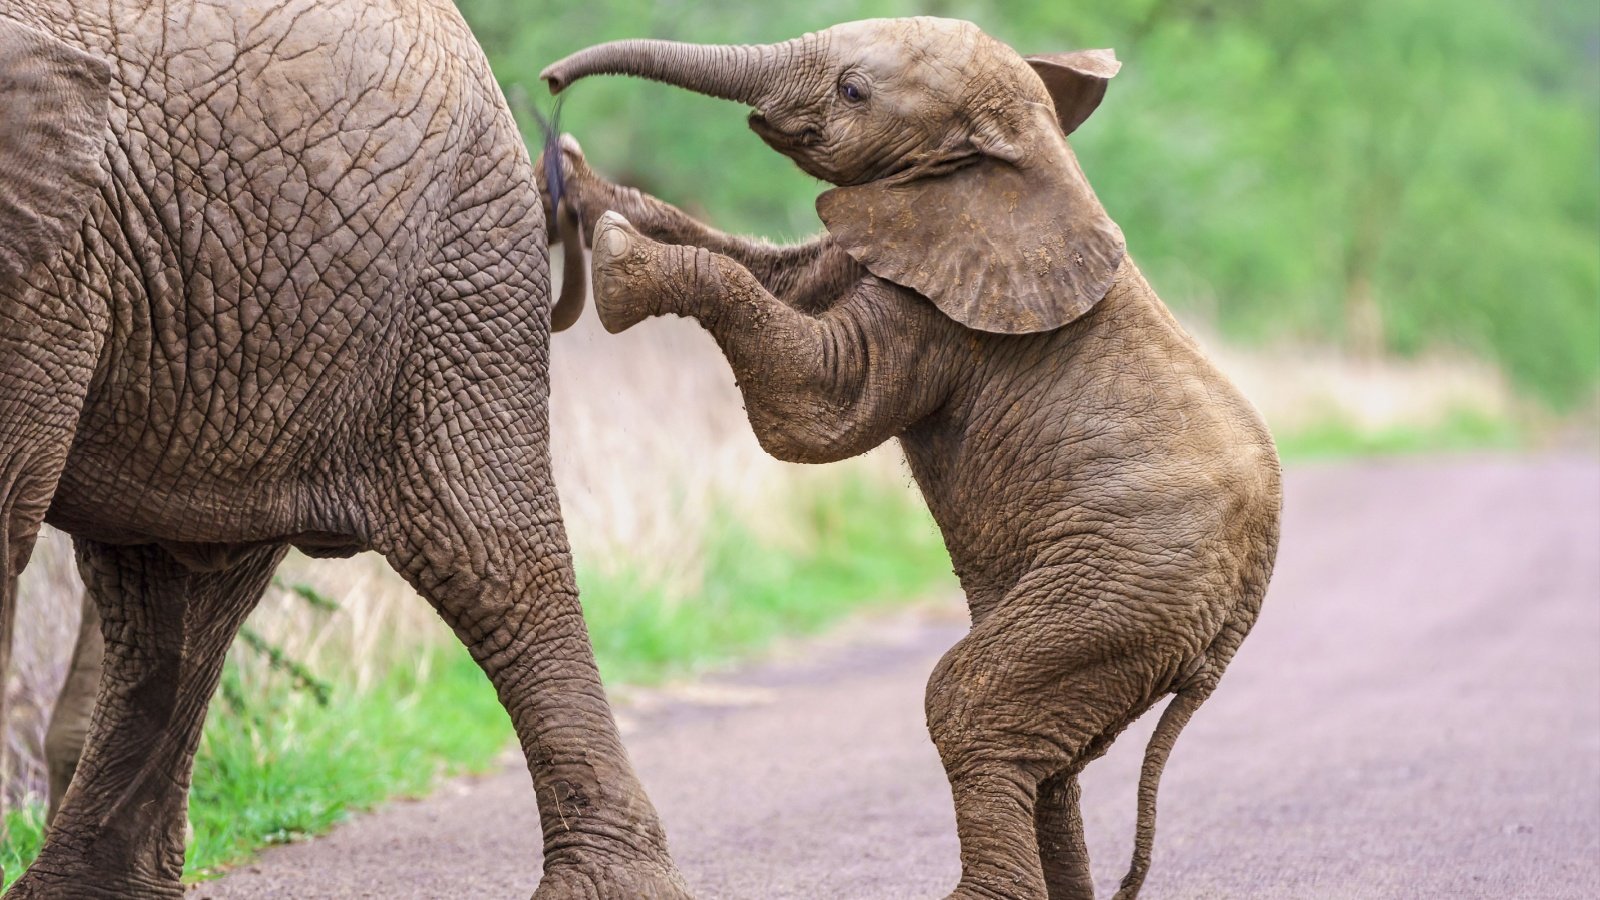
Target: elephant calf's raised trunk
pixel 741 73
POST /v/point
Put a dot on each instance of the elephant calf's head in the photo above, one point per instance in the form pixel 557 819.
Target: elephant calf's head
pixel 949 148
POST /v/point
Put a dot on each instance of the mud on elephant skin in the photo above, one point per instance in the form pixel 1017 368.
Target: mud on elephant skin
pixel 274 275
pixel 1109 500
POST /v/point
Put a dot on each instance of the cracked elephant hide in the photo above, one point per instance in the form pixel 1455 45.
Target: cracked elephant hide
pixel 275 275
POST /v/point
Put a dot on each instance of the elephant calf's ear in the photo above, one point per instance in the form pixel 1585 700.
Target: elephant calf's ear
pixel 1076 82
pixel 1003 247
pixel 53 118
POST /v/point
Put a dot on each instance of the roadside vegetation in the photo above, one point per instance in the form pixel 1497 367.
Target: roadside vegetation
pixel 1381 216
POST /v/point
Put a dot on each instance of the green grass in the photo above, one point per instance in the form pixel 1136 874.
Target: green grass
pixel 1459 431
pixel 858 545
pixel 275 770
pixel 24 832
pixel 282 766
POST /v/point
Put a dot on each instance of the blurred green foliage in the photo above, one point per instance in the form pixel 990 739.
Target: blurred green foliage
pixel 1461 430
pixel 1390 175
pixel 20 840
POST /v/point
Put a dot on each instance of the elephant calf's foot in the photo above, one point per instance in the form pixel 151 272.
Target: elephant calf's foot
pixel 634 881
pixel 622 277
pixel 975 891
pixel 636 277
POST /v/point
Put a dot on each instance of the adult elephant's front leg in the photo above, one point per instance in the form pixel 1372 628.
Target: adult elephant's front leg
pixel 491 555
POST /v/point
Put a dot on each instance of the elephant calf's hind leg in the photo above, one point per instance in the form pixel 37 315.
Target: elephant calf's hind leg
pixel 1062 850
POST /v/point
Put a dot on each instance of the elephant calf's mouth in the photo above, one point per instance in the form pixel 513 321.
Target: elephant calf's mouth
pixel 782 140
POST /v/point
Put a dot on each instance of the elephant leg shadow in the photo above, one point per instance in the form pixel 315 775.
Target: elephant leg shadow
pixel 69 719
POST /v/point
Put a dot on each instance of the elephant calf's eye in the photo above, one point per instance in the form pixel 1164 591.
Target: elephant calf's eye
pixel 853 92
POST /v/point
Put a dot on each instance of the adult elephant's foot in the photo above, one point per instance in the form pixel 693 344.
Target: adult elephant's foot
pixel 44 883
pixel 617 881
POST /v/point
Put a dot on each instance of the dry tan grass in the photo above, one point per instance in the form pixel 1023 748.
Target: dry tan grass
pixel 1300 387
pixel 50 596
pixel 651 443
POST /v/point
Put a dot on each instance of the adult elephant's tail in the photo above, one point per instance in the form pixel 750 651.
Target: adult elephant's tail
pixel 574 272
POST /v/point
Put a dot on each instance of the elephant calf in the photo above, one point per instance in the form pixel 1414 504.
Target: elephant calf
pixel 1109 500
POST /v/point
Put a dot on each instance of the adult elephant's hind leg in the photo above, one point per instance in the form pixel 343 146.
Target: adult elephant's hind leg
pixel 1062 850
pixel 119 832
pixel 492 558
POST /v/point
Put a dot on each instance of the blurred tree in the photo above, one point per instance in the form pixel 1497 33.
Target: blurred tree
pixel 1392 175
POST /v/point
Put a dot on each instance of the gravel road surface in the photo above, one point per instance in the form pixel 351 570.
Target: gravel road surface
pixel 1417 715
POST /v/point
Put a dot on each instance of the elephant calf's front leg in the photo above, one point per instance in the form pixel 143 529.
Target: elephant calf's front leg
pixel 818 388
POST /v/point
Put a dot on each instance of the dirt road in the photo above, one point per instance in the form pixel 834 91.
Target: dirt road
pixel 1416 716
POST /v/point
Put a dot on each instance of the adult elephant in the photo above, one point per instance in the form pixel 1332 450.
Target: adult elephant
pixel 275 275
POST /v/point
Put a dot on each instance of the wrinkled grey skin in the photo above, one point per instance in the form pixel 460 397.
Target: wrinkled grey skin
pixel 1109 500
pixel 275 275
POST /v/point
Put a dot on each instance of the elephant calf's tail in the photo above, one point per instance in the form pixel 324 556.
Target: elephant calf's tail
pixel 1185 701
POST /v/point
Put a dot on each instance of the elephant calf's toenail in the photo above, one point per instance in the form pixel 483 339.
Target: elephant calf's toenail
pixel 614 241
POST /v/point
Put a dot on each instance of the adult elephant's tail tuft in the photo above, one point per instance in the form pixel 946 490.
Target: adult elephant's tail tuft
pixel 1185 701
